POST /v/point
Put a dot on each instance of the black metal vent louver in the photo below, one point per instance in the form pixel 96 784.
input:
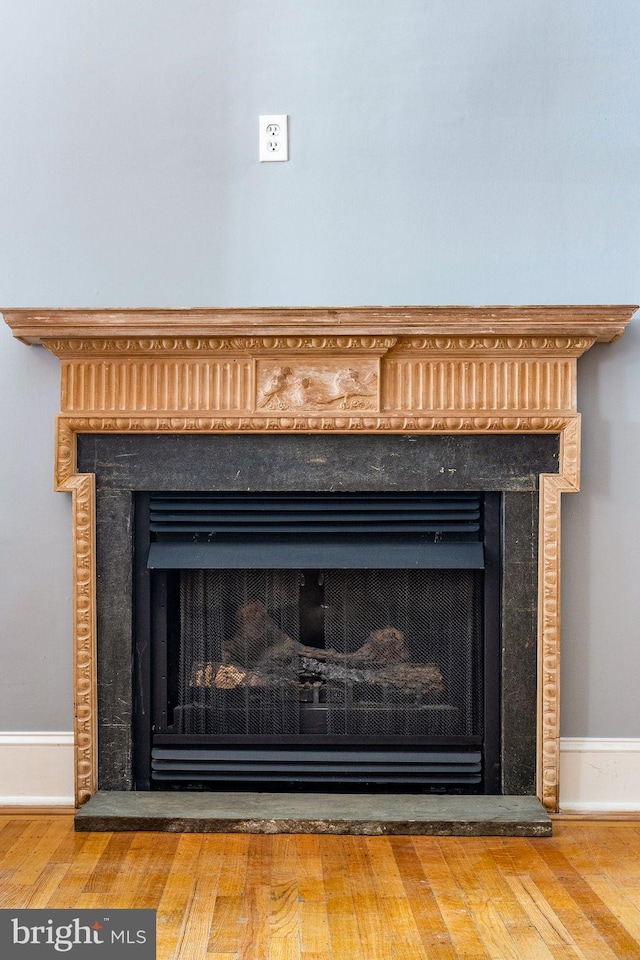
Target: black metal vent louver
pixel 453 766
pixel 333 530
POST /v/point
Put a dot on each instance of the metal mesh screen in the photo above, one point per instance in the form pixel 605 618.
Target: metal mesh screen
pixel 359 653
pixel 431 687
pixel 236 675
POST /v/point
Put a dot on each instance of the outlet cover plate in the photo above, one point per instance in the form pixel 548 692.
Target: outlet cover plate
pixel 274 137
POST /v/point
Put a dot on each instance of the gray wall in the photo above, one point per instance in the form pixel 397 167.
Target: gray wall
pixel 442 151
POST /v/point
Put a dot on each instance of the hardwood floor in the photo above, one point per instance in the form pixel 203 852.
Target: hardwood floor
pixel 249 897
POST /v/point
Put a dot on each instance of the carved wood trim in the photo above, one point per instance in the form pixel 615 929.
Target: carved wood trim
pixel 346 423
pixel 401 383
pixel 549 564
pixel 82 489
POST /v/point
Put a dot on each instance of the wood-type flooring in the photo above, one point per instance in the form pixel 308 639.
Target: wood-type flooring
pixel 250 897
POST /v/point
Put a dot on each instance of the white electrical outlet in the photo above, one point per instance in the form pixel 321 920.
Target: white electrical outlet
pixel 274 137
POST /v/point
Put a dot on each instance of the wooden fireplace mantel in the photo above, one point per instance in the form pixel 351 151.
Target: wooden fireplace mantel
pixel 416 369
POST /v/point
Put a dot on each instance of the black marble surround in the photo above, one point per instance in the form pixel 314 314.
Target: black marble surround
pixel 125 464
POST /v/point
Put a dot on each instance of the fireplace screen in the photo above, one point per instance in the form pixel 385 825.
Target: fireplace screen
pixel 363 653
pixel 317 637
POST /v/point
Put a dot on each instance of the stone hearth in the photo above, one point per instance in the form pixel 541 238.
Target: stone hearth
pixel 441 371
pixel 371 815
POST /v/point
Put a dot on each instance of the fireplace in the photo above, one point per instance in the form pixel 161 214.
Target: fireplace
pixel 314 405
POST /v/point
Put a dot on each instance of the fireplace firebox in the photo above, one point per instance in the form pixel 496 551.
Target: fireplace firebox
pixel 300 639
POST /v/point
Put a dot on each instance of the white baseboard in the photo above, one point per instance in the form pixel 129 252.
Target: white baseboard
pixel 599 775
pixel 36 769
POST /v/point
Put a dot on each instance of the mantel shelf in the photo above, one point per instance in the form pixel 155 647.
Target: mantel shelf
pixel 597 322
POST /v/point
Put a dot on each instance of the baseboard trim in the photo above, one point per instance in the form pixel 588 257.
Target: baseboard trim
pixel 600 775
pixel 600 744
pixel 36 770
